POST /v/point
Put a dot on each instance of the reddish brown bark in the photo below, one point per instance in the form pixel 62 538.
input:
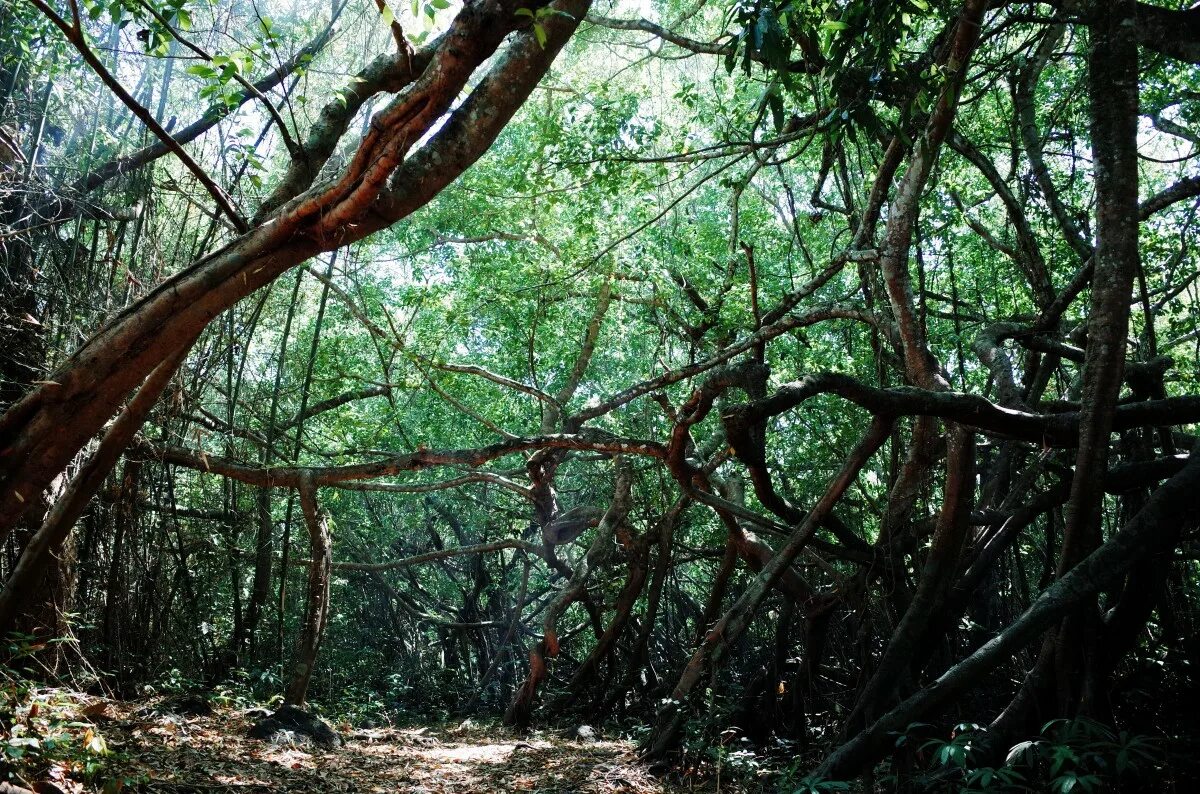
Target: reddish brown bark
pixel 520 710
pixel 317 605
pixel 42 432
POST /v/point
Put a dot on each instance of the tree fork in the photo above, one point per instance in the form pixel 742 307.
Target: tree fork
pixel 42 432
pixel 673 715
pixel 1174 506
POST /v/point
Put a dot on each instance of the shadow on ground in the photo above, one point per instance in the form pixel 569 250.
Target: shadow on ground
pixel 213 754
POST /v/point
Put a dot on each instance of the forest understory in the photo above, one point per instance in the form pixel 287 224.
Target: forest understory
pixel 149 746
pixel 789 396
pixel 189 742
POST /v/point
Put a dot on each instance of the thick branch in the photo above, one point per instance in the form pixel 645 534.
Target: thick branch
pixel 1056 430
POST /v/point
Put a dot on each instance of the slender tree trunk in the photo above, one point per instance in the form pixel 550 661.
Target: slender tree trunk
pixel 264 543
pixel 317 613
pixel 125 513
pixel 673 716
pixel 305 388
pixel 1173 507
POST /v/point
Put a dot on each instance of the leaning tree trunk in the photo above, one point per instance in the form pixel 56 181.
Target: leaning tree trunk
pixel 673 716
pixel 937 576
pixel 641 646
pixel 520 710
pixel 1174 506
pixel 83 486
pixel 386 181
pixel 637 550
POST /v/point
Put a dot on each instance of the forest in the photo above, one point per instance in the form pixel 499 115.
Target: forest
pixel 792 396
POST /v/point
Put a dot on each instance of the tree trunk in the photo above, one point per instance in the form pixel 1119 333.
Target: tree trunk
pixel 67 509
pixel 317 612
pixel 673 716
pixel 1174 506
pixel 42 432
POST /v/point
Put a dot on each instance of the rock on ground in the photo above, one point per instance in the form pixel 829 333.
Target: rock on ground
pixel 288 722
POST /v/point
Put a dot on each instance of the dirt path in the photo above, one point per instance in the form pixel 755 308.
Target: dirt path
pixel 212 754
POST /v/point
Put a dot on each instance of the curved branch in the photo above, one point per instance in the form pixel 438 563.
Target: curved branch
pixel 1055 430
pixel 293 477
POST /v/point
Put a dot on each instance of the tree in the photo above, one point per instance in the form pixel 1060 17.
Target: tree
pixel 43 431
pixel 834 363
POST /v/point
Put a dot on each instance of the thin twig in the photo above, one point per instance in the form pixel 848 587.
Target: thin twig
pixel 292 147
pixel 74 35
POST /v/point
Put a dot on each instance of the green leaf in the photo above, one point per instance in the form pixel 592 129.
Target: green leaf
pixel 775 104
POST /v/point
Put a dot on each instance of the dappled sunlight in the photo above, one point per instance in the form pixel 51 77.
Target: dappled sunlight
pixel 214 753
pixel 564 396
pixel 486 753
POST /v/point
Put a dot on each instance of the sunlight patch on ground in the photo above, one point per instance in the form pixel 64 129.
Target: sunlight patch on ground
pixel 486 753
pixel 214 754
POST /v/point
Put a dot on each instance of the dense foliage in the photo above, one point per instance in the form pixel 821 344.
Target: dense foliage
pixel 808 388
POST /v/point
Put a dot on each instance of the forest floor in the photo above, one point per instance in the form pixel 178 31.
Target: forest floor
pixel 147 749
